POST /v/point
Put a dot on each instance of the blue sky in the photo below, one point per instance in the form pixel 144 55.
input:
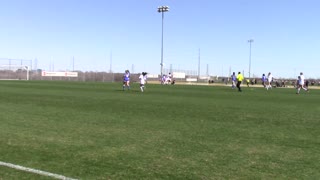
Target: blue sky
pixel 285 32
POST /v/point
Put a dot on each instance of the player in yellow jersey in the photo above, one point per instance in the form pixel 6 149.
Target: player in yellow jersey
pixel 239 80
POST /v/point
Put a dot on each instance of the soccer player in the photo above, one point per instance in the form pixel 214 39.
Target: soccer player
pixel 248 82
pixel 163 79
pixel 168 79
pixel 270 79
pixel 143 80
pixel 301 83
pixel 170 76
pixel 233 79
pixel 239 80
pixel 126 80
pixel 264 80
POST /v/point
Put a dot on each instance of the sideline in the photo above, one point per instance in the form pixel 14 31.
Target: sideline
pixel 35 171
pixel 229 84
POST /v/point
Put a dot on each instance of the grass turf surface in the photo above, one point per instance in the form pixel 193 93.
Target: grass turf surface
pixel 98 131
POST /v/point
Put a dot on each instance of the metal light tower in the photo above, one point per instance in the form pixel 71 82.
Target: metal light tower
pixel 162 10
pixel 250 41
pixel 199 65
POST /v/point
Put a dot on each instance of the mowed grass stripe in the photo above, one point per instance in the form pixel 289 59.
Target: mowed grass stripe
pixel 95 130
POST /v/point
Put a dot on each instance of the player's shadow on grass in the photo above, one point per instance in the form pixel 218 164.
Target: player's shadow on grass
pixel 131 90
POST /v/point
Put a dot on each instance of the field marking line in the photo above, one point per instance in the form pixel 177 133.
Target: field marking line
pixel 44 173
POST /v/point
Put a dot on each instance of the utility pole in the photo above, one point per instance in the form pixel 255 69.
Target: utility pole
pixel 250 41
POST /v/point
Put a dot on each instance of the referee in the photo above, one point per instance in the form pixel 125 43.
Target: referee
pixel 239 80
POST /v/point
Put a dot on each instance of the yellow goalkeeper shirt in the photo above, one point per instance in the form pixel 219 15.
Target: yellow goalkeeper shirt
pixel 240 77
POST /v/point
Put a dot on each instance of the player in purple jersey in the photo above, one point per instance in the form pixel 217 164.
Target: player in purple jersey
pixel 126 80
pixel 234 80
pixel 264 80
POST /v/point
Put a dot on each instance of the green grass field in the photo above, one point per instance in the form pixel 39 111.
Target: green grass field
pixel 97 131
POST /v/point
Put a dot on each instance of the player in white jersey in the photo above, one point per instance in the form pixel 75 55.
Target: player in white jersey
pixel 143 80
pixel 170 76
pixel 301 83
pixel 270 78
pixel 165 80
pixel 168 79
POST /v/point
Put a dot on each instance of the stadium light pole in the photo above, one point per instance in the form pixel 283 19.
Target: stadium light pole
pixel 162 10
pixel 250 41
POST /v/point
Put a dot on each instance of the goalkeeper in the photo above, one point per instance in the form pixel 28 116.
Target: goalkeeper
pixel 239 80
